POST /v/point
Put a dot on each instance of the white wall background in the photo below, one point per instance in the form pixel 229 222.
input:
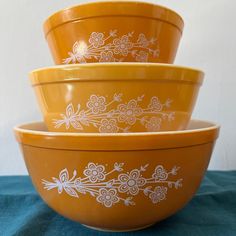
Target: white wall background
pixel 209 43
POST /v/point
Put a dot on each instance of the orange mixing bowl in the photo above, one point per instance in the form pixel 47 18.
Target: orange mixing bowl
pixel 116 97
pixel 114 31
pixel 117 182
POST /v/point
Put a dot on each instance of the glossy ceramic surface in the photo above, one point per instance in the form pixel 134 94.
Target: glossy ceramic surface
pixel 118 97
pixel 114 31
pixel 117 182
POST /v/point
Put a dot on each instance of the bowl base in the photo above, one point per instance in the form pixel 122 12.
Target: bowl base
pixel 117 230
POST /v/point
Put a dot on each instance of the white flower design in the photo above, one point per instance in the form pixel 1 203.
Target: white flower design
pixel 142 40
pixel 129 112
pixel 69 119
pixel 122 45
pixel 94 172
pixel 107 197
pixel 96 104
pixel 155 104
pixel 80 49
pixel 79 186
pixel 159 194
pixel 107 57
pixel 96 39
pixel 153 124
pixel 117 118
pixel 142 56
pixel 79 53
pixel 109 191
pixel 131 182
pixel 113 48
pixel 113 33
pixel 160 173
pixel 63 183
pixel 108 126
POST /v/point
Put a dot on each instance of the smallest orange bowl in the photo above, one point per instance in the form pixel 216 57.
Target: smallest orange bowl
pixel 116 97
pixel 117 182
pixel 114 31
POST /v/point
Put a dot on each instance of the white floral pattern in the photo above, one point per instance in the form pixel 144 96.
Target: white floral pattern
pixel 96 39
pixel 120 118
pixel 160 173
pixel 70 118
pixel 129 112
pixel 96 104
pixel 143 41
pixel 153 125
pixel 108 126
pixel 107 197
pixel 107 57
pixel 156 105
pixel 131 182
pixel 142 56
pixel 159 194
pixel 110 191
pixel 113 48
pixel 94 172
pixel 122 45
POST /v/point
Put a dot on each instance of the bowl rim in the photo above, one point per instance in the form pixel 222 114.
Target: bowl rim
pixel 143 140
pixel 116 71
pixel 89 10
pixel 212 125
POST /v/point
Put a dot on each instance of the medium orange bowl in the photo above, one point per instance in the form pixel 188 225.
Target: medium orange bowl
pixel 116 97
pixel 114 31
pixel 117 182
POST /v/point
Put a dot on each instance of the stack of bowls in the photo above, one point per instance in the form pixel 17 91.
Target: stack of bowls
pixel 117 150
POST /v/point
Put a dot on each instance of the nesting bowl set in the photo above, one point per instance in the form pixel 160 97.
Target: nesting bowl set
pixel 117 150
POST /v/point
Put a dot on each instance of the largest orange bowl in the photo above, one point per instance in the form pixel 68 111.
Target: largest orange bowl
pixel 114 31
pixel 117 182
pixel 116 97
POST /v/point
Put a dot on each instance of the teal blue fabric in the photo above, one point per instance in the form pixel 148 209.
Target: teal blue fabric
pixel 211 212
